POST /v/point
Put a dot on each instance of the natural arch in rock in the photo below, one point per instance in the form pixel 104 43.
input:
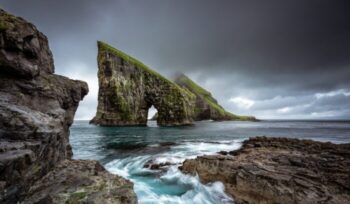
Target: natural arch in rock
pixel 128 88
pixel 151 112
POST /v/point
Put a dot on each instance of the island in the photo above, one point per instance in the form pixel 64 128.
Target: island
pixel 128 88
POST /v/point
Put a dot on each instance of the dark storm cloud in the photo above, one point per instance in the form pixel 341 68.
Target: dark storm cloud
pixel 271 58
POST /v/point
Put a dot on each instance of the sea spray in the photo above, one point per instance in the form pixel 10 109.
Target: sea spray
pixel 126 150
pixel 171 185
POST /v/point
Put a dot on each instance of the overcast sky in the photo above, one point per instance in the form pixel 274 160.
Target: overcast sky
pixel 273 59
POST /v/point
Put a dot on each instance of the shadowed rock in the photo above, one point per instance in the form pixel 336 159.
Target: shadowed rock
pixel 279 170
pixel 37 108
pixel 157 166
pixel 24 50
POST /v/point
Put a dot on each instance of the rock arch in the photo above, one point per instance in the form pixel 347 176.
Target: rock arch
pixel 128 88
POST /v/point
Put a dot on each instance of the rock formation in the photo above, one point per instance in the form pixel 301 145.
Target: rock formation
pixel 207 107
pixel 81 181
pixel 128 88
pixel 36 110
pixel 279 170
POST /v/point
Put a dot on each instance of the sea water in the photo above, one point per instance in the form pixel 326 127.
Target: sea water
pixel 125 150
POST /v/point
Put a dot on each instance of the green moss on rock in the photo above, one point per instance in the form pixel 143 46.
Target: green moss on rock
pixel 76 197
pixel 9 21
pixel 3 25
pixel 206 106
pixel 128 88
pixel 130 60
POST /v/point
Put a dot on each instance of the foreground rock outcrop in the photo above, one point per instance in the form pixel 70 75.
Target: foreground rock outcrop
pixel 81 181
pixel 206 106
pixel 128 88
pixel 37 108
pixel 279 170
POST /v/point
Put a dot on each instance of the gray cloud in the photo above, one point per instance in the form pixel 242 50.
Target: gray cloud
pixel 276 54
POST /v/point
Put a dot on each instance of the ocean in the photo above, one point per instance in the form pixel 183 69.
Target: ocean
pixel 125 150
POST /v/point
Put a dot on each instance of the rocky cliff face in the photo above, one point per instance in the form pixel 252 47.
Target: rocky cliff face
pixel 206 106
pixel 36 110
pixel 279 170
pixel 127 89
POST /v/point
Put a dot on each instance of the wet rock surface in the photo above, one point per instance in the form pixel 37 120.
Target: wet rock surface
pixel 279 170
pixel 157 166
pixel 37 108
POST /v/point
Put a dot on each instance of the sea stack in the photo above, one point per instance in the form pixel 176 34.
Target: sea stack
pixel 37 108
pixel 128 88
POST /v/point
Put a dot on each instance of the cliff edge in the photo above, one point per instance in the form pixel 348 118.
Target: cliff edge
pixel 37 108
pixel 206 106
pixel 128 88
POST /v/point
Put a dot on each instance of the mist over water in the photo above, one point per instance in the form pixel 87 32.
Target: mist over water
pixel 125 151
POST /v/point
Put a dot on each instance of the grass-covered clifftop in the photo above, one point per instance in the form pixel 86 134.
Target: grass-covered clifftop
pixel 130 59
pixel 128 88
pixel 138 63
pixel 206 102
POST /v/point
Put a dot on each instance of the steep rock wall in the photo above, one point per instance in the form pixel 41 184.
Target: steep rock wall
pixel 37 108
pixel 128 88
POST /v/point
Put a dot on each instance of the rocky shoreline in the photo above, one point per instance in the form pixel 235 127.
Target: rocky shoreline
pixel 279 170
pixel 37 108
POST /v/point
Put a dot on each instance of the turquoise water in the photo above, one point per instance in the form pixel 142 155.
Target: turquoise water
pixel 125 151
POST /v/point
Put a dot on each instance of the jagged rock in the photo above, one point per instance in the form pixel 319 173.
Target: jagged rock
pixel 24 51
pixel 79 181
pixel 207 107
pixel 280 170
pixel 128 88
pixel 37 108
pixel 157 166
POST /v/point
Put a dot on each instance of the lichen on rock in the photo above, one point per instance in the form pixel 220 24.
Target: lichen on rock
pixel 128 88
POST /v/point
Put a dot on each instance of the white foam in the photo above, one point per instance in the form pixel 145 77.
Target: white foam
pixel 148 190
